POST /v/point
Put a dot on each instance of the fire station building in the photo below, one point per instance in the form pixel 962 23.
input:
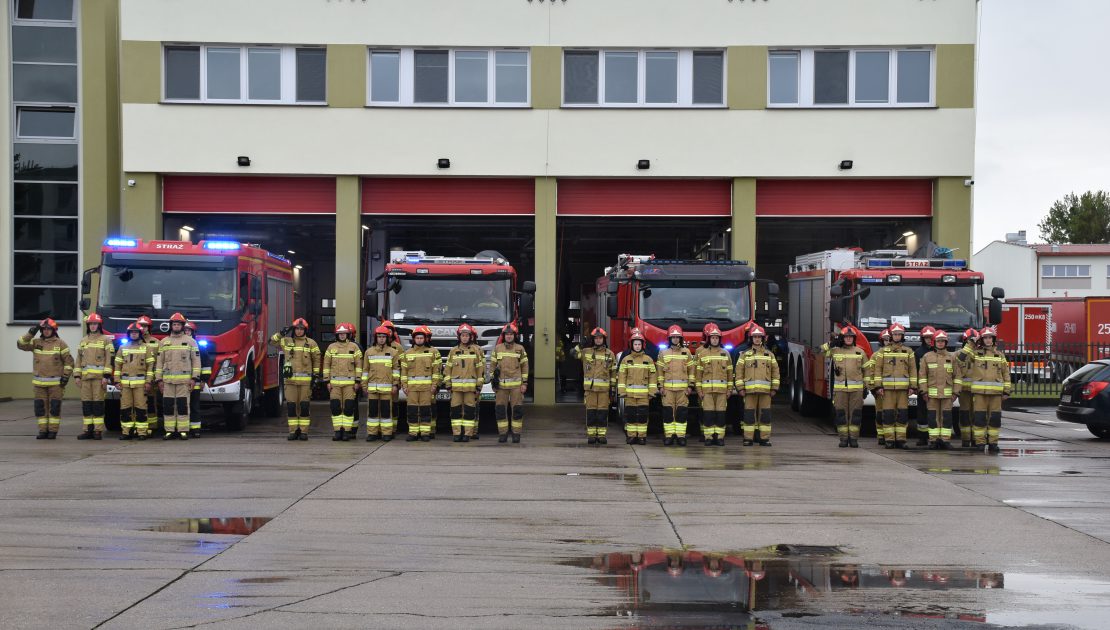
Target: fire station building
pixel 560 133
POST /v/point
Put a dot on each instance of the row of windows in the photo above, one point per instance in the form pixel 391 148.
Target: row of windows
pixel 1068 271
pixel 865 77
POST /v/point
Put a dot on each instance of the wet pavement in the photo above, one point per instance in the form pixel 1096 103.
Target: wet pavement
pixel 243 530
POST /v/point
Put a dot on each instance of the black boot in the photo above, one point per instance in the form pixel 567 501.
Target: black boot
pixel 748 442
pixel 426 437
pixel 465 438
pixel 881 441
pixel 721 441
pixel 457 438
pixel 892 444
pixel 502 438
pixel 87 435
pixel 126 435
pixel 387 438
pixel 372 437
pixel 169 436
pixel 602 440
pixel 43 435
pixel 922 439
pixel 98 435
pixel 853 442
pixel 184 435
pixel 516 438
pixel 475 436
pixel 303 437
pixel 681 441
pixel 765 442
pixel 292 437
pixel 412 437
pixel 668 441
pixel 900 444
pixel 943 445
pixel 196 432
pixel 965 443
pixel 843 442
pixel 591 440
pixel 993 449
pixel 338 437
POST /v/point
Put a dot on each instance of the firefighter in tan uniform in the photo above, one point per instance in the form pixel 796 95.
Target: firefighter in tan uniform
pixel 51 367
pixel 675 366
pixel 757 380
pixel 965 358
pixel 205 376
pixel 395 343
pixel 637 382
pixel 937 384
pixel 896 372
pixel 302 367
pixel 420 377
pixel 713 378
pixel 873 381
pixel 133 374
pixel 176 370
pixel 599 382
pixel 154 402
pixel 342 370
pixel 93 371
pixel 990 385
pixel 381 377
pixel 509 361
pixel 848 380
pixel 464 374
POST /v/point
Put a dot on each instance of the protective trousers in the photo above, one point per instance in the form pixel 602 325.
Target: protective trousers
pixel 464 417
pixel 194 409
pixel 713 406
pixel 636 417
pixel 343 404
pixel 896 414
pixel 757 416
pixel 154 408
pixel 92 403
pixel 939 417
pixel 132 409
pixel 175 406
pixel 880 424
pixel 675 409
pixel 987 419
pixel 48 407
pixel 967 409
pixel 419 412
pixel 379 413
pixel 297 398
pixel 849 412
pixel 509 400
pixel 597 414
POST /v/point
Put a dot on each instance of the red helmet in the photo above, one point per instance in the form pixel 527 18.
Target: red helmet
pixel 145 321
pixel 847 331
pixel 510 327
pixel 94 318
pixel 756 329
pixel 928 331
pixel 674 331
pixel 710 330
pixel 48 323
pixel 191 326
pixel 970 333
pixel 422 330
pixel 599 331
pixel 636 334
pixel 383 330
pixel 300 323
pixel 178 317
pixel 344 327
pixel 940 334
pixel 885 333
pixel 988 331
pixel 133 326
pixel 392 329
pixel 467 328
pixel 897 328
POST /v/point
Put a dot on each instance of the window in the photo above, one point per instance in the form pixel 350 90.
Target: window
pixel 45 122
pixel 1067 271
pixel 643 78
pixel 865 77
pixel 245 74
pixel 448 77
pixel 44 10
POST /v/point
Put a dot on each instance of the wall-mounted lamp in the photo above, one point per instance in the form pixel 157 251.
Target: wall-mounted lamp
pixel 298 267
pixel 443 163
pixel 366 227
pixel 643 165
pixel 292 252
pixel 187 228
pixel 243 160
pixel 905 235
pixel 845 165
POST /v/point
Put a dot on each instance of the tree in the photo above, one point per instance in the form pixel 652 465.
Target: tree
pixel 1082 219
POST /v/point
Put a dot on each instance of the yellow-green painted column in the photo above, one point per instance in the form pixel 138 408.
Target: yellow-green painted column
pixel 348 249
pixel 141 206
pixel 747 77
pixel 743 219
pixel 347 73
pixel 100 133
pixel 952 215
pixel 543 346
pixel 956 75
pixel 140 71
pixel 547 65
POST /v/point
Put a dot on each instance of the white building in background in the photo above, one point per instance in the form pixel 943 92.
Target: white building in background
pixel 1045 270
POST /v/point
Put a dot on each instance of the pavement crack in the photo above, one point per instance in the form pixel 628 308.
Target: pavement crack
pixel 658 499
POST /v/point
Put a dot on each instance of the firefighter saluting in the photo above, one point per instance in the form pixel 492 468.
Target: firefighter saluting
pixel 636 383
pixel 509 361
pixel 154 411
pixel 381 376
pixel 133 374
pixel 874 382
pixel 176 370
pixel 93 371
pixel 205 375
pixel 302 366
pixel 676 380
pixel 342 371
pixel 965 358
pixel 51 368
pixel 757 380
pixel 896 372
pixel 937 383
pixel 990 385
pixel 847 384
pixel 420 377
pixel 599 379
pixel 713 378
pixel 464 374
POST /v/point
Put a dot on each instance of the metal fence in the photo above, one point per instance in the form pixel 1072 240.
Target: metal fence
pixel 1038 369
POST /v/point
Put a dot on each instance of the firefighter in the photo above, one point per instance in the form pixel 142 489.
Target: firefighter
pixel 395 343
pixel 937 383
pixel 847 384
pixel 675 366
pixel 341 371
pixel 637 382
pixel 133 374
pixel 154 411
pixel 713 378
pixel 874 383
pixel 990 385
pixel 51 368
pixel 757 380
pixel 420 377
pixel 381 376
pixel 599 380
pixel 93 371
pixel 896 373
pixel 464 374
pixel 302 367
pixel 964 360
pixel 509 362
pixel 176 371
pixel 927 345
pixel 205 376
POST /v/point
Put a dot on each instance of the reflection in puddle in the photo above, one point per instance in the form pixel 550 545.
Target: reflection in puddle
pixel 234 525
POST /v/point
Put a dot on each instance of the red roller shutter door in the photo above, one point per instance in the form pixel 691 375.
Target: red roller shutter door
pixel 645 197
pixel 445 195
pixel 844 198
pixel 248 195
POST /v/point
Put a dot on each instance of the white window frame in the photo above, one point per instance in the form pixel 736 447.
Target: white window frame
pixel 25 22
pixel 70 139
pixel 685 79
pixel 1063 271
pixel 806 78
pixel 288 75
pixel 406 77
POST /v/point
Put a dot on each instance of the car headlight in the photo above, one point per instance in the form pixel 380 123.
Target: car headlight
pixel 226 373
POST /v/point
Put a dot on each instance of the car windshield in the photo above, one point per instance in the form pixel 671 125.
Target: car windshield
pixel 140 284
pixel 950 307
pixel 442 300
pixel 694 302
pixel 1090 372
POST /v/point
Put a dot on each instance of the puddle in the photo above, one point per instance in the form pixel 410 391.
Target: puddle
pixel 263 580
pixel 234 525
pixel 633 477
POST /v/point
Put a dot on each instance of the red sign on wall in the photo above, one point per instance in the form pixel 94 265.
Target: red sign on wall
pixel 248 195
pixel 844 198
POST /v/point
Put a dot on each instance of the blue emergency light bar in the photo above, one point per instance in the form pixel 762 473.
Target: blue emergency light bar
pixel 657 261
pixel 203 343
pixel 121 242
pixel 916 263
pixel 221 245
pixel 728 347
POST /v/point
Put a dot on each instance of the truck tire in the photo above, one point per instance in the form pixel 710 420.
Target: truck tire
pixel 237 414
pixel 273 400
pixel 1101 432
pixel 795 388
pixel 111 415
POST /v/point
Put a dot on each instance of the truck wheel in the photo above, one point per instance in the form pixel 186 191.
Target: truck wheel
pixel 1101 432
pixel 111 415
pixel 274 399
pixel 237 414
pixel 796 389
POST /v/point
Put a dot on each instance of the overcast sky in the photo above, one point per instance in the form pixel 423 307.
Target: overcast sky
pixel 1043 110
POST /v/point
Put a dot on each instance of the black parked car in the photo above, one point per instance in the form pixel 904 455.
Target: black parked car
pixel 1085 398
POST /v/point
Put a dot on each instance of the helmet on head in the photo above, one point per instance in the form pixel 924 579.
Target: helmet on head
pixel 392 329
pixel 941 335
pixel 383 330
pixel 178 317
pixel 599 332
pixel 847 331
pixel 145 321
pixel 511 327
pixel 637 334
pixel 928 331
pixel 710 330
pixel 969 334
pixel 422 330
pixel 756 329
pixel 466 328
pixel 989 331
pixel 897 328
pixel 133 327
pixel 674 331
pixel 885 333
pixel 344 327
pixel 48 323
pixel 191 326
pixel 300 323
pixel 94 318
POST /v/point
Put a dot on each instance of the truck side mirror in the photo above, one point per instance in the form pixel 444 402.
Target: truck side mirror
pixel 372 303
pixel 611 305
pixel 836 310
pixel 84 304
pixel 256 308
pixel 395 286
pixel 527 304
pixel 994 311
pixel 998 293
pixel 528 287
pixel 836 291
pixel 613 287
pixel 86 280
pixel 772 301
pixel 256 291
pixel 371 286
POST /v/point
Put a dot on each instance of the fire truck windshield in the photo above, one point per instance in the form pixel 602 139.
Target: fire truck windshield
pixel 443 300
pixel 952 307
pixel 695 302
pixel 168 286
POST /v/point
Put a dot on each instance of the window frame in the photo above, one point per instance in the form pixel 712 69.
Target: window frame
pixel 406 77
pixel 685 78
pixel 806 78
pixel 288 75
pixel 18 137
pixel 1079 271
pixel 16 21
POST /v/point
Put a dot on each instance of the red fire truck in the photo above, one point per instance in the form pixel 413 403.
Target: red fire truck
pixel 1049 338
pixel 869 291
pixel 237 294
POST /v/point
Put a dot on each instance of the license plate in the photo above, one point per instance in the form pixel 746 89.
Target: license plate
pixel 913 402
pixel 1066 398
pixel 443 395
